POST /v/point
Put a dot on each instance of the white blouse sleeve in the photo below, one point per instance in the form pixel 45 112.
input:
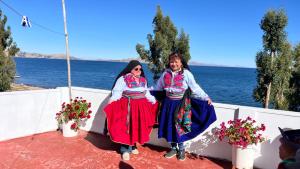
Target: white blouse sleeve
pixel 160 83
pixel 118 89
pixel 197 91
pixel 149 96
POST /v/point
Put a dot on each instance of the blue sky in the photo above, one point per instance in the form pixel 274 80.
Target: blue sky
pixel 221 32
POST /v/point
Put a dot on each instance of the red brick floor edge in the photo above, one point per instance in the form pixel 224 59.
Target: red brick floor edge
pixel 90 150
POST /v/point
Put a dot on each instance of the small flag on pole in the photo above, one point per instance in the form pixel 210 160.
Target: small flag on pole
pixel 25 22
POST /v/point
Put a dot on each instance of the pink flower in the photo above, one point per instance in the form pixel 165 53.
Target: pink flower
pixel 81 114
pixel 222 124
pixel 241 132
pixel 73 126
pixel 77 110
pixel 230 122
pixel 263 127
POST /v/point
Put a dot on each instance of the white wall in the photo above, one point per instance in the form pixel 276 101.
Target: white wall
pixel 28 112
pixel 25 113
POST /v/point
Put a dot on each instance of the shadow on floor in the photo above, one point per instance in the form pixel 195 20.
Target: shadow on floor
pixel 123 165
pixel 102 142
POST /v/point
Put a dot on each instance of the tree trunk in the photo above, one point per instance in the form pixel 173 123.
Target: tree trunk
pixel 269 85
pixel 268 96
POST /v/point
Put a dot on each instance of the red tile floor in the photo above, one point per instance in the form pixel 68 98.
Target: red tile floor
pixel 89 150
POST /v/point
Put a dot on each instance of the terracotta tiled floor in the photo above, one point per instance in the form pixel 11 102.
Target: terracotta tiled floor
pixel 89 150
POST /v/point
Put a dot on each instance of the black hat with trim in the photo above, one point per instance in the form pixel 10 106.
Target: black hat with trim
pixel 291 137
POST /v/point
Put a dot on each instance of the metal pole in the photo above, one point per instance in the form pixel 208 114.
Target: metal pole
pixel 67 50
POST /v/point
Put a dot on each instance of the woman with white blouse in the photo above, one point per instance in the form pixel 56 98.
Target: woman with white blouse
pixel 186 110
pixel 131 111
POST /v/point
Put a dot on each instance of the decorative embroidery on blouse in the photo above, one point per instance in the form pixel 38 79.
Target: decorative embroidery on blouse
pixel 175 82
pixel 171 82
pixel 131 83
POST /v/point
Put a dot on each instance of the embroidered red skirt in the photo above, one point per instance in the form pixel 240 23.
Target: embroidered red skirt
pixel 141 120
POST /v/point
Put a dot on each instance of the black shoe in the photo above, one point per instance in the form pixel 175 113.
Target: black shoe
pixel 171 153
pixel 181 155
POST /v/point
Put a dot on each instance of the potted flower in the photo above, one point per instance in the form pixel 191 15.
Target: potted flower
pixel 72 115
pixel 242 134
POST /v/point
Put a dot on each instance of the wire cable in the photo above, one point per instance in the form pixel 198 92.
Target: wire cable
pixel 35 23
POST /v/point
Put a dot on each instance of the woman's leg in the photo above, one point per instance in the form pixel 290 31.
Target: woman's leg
pixel 134 149
pixel 125 151
pixel 125 148
pixel 181 152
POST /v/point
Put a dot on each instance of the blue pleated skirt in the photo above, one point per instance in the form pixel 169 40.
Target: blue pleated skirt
pixel 202 116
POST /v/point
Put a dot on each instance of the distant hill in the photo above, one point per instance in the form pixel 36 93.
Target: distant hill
pixel 195 63
pixel 122 60
pixel 39 55
pixel 62 56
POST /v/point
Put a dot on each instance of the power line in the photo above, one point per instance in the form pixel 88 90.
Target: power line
pixel 35 23
pixel 11 8
pixel 45 28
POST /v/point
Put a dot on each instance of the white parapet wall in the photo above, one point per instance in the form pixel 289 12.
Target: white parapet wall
pixel 26 113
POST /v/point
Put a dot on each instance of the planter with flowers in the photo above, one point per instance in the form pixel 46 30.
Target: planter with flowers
pixel 242 135
pixel 72 115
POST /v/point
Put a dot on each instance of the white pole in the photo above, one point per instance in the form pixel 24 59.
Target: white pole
pixel 67 50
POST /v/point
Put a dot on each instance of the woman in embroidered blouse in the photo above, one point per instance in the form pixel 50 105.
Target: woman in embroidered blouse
pixel 186 110
pixel 131 111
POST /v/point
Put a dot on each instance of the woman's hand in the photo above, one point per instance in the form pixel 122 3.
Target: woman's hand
pixel 110 101
pixel 209 101
pixel 154 102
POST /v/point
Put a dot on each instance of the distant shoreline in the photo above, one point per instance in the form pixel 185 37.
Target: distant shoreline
pixel 23 87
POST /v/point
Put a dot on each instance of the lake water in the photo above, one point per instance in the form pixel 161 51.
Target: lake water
pixel 222 84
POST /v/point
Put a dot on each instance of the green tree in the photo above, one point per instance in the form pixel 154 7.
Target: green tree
pixel 295 81
pixel 264 76
pixel 8 48
pixel 163 43
pixel 182 45
pixel 281 82
pixel 273 24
